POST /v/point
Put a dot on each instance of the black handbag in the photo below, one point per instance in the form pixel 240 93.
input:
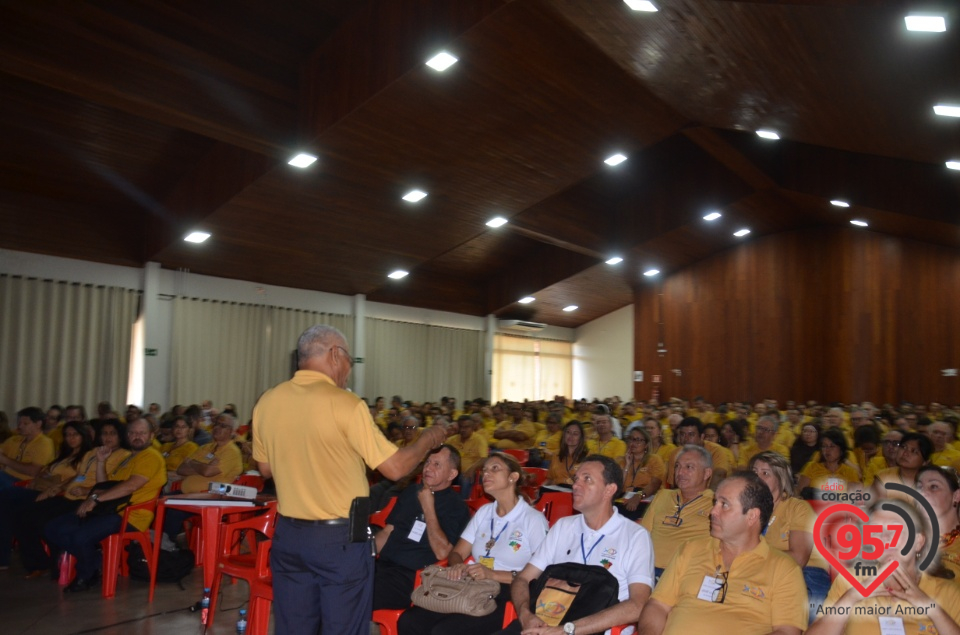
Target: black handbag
pixel 112 506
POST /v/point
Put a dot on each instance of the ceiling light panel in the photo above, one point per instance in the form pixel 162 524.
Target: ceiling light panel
pixel 398 274
pixel 712 216
pixel 926 23
pixel 651 272
pixel 196 237
pixel 526 300
pixel 741 233
pixel 642 5
pixel 571 307
pixel 497 221
pixel 947 110
pixel 615 159
pixel 414 196
pixel 441 61
pixel 768 134
pixel 302 160
pixel 616 260
pixel 858 223
pixel 953 165
pixel 839 203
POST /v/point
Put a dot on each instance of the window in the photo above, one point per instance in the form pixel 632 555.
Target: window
pixel 529 368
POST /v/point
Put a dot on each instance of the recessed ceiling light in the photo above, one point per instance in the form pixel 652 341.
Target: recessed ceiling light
pixel 616 260
pixel 527 300
pixel 414 195
pixel 947 110
pixel 615 159
pixel 572 307
pixel 302 160
pixel 859 223
pixel 712 216
pixel 953 165
pixel 642 5
pixel 651 272
pixel 742 232
pixel 929 23
pixel 399 273
pixel 768 134
pixel 196 237
pixel 839 203
pixel 497 221
pixel 441 61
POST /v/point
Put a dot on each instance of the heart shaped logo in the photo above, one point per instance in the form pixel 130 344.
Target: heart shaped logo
pixel 826 552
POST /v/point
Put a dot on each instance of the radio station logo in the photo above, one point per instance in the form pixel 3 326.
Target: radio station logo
pixel 854 548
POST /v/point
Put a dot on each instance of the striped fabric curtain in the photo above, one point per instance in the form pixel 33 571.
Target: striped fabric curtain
pixel 531 368
pixel 231 352
pixel 64 343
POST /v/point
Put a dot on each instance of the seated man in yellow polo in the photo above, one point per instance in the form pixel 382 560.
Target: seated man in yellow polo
pixel 515 433
pixel 606 442
pixel 218 461
pixel 731 581
pixel 23 455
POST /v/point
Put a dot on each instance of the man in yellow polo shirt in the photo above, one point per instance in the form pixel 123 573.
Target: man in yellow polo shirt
pixel 473 451
pixel 765 433
pixel 677 515
pixel 606 443
pixel 516 432
pixel 140 475
pixel 732 581
pixel 23 455
pixel 690 431
pixel 315 439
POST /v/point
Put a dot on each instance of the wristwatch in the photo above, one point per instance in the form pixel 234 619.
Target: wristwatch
pixel 569 628
pixel 95 498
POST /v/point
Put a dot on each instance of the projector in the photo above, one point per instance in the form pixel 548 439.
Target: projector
pixel 229 489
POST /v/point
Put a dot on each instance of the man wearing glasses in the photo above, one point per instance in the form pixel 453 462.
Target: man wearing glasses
pixel 765 433
pixel 731 582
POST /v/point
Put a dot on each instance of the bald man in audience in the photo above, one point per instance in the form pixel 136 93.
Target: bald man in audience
pixel 765 432
pixel 690 432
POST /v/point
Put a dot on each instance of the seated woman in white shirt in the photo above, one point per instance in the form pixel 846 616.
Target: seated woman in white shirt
pixel 499 541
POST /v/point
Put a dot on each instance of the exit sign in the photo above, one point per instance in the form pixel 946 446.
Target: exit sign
pixel 150 352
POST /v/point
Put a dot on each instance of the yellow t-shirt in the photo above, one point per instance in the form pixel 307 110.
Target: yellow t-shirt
pixel 614 448
pixel 949 457
pixel 944 593
pixel 876 465
pixel 174 456
pixel 471 450
pixel 667 535
pixel 665 452
pixel 231 466
pixel 819 475
pixel 793 514
pixel 86 476
pixel 38 451
pixel 56 435
pixel 638 477
pixel 548 444
pixel 525 427
pixel 748 449
pixel 765 589
pixel 318 440
pixel 148 463
pixel 561 471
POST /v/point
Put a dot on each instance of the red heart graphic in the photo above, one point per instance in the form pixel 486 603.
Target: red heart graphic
pixel 832 559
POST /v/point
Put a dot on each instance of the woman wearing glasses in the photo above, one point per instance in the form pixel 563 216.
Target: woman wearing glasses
pixel 643 473
pixel 941 487
pixel 910 600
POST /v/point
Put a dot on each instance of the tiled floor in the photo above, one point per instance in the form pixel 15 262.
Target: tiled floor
pixel 39 607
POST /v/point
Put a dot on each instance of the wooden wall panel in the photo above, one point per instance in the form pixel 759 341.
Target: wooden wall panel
pixel 825 313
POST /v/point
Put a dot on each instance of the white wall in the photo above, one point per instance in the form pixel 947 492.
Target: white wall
pixel 603 356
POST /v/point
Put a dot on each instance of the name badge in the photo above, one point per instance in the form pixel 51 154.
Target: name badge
pixel 80 478
pixel 673 521
pixel 709 588
pixel 416 532
pixel 891 626
pixel 487 562
pixel 211 455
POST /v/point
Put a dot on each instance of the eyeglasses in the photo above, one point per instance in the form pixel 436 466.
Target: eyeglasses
pixel 764 429
pixel 347 353
pixel 720 581
pixel 895 444
pixel 410 427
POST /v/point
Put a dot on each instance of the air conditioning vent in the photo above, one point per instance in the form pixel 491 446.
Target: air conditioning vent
pixel 521 326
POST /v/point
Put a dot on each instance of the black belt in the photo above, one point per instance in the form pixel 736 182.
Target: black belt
pixel 330 521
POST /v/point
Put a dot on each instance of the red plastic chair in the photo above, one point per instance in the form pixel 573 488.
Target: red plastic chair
pixel 555 505
pixel 261 600
pixel 254 567
pixel 386 619
pixel 534 477
pixel 114 555
pixel 380 518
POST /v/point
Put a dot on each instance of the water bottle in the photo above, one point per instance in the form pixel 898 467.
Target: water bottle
pixel 242 623
pixel 205 606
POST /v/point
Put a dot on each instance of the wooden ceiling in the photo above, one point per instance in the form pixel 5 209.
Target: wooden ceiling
pixel 127 124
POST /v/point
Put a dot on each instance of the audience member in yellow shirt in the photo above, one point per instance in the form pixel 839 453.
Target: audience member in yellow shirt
pixel 517 433
pixel 473 452
pixel 605 443
pixel 23 455
pixel 548 441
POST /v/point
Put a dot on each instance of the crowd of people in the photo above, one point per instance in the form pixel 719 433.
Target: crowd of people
pixel 703 514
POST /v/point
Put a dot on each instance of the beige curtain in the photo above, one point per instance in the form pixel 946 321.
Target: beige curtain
pixel 421 362
pixel 531 368
pixel 64 343
pixel 231 352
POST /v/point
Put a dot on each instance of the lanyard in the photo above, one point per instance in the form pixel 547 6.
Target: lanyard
pixel 23 448
pixel 680 507
pixel 125 461
pixel 493 541
pixel 583 552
